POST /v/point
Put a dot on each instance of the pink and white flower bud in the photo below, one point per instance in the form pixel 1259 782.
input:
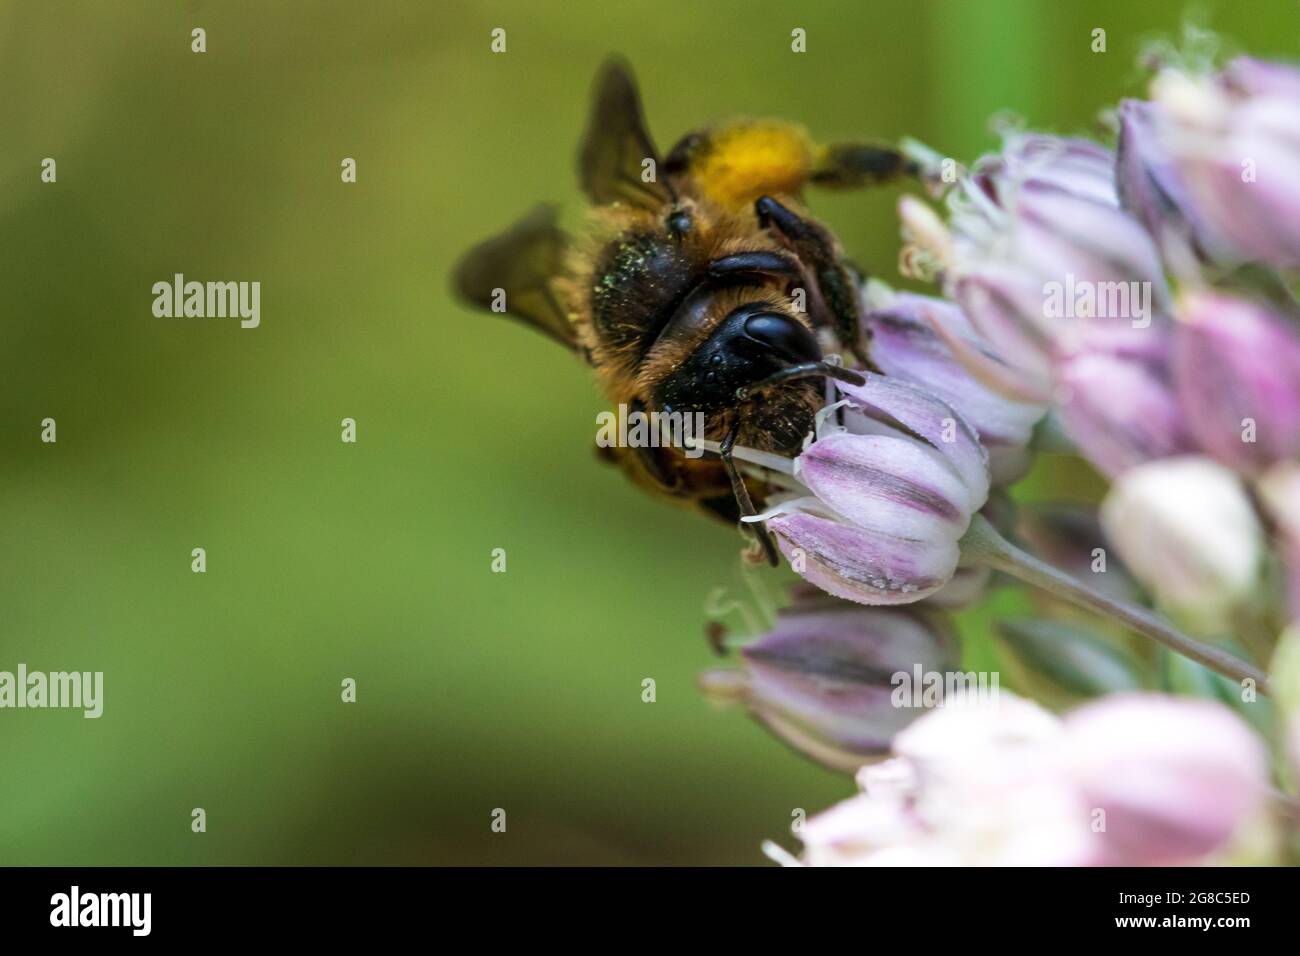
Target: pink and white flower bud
pixel 1186 529
pixel 1120 409
pixel 1233 141
pixel 894 491
pixel 1174 779
pixel 1151 187
pixel 1236 368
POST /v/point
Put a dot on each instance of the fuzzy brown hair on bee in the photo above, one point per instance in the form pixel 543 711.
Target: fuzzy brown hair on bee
pixel 698 285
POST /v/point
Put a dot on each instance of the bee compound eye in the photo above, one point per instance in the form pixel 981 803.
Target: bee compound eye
pixel 783 336
pixel 750 345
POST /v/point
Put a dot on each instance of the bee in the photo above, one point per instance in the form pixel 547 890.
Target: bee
pixel 700 284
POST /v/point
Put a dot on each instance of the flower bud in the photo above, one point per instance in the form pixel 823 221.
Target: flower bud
pixel 1071 240
pixel 895 491
pixel 1004 303
pixel 1119 410
pixel 1233 142
pixel 1236 367
pixel 822 680
pixel 1176 779
pixel 1062 656
pixel 911 336
pixel 1075 167
pixel 1186 530
pixel 1150 187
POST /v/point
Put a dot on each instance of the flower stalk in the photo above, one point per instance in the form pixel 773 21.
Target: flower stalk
pixel 985 545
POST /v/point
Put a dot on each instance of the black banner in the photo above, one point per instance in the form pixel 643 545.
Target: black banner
pixel 329 905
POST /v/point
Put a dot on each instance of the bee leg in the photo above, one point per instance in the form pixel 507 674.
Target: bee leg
pixel 743 500
pixel 853 165
pixel 794 373
pixel 836 282
pixel 754 263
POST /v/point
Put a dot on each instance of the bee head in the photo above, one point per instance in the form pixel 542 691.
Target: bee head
pixel 753 343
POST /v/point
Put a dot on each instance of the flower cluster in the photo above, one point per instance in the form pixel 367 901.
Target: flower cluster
pixel 1060 254
pixel 1134 307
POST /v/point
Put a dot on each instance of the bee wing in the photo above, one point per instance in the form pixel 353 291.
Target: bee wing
pixel 616 143
pixel 521 262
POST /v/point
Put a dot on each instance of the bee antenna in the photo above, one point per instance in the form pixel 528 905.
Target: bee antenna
pixel 793 373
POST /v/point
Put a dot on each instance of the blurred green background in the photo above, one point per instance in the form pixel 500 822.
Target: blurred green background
pixel 326 560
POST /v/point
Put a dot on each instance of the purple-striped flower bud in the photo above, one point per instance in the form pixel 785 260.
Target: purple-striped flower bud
pixel 1077 167
pixel 1233 141
pixel 895 488
pixel 823 680
pixel 1150 185
pixel 917 339
pixel 1100 258
pixel 1236 368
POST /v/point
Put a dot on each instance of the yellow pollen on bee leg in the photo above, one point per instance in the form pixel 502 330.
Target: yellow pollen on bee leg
pixel 750 159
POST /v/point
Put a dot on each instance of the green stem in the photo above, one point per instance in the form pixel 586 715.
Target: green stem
pixel 983 543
